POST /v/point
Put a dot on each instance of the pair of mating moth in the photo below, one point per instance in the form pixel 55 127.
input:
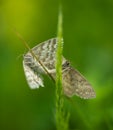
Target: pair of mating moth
pixel 72 81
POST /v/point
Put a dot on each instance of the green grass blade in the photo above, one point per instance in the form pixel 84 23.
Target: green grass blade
pixel 61 117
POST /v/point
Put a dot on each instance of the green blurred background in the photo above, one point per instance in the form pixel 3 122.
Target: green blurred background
pixel 88 44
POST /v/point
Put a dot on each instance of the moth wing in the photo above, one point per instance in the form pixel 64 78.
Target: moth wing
pixel 46 53
pixel 75 84
pixel 33 79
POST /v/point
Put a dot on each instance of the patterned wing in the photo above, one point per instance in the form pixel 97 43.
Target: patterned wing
pixel 45 52
pixel 75 84
pixel 32 73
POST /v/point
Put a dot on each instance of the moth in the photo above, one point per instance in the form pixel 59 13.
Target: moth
pixel 72 81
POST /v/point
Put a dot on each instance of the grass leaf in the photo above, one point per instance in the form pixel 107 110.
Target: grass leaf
pixel 61 117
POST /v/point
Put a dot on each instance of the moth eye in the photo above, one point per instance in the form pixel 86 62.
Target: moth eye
pixel 65 65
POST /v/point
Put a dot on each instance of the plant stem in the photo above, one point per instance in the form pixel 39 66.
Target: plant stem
pixel 61 117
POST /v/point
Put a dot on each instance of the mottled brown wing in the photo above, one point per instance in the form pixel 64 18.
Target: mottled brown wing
pixel 75 84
